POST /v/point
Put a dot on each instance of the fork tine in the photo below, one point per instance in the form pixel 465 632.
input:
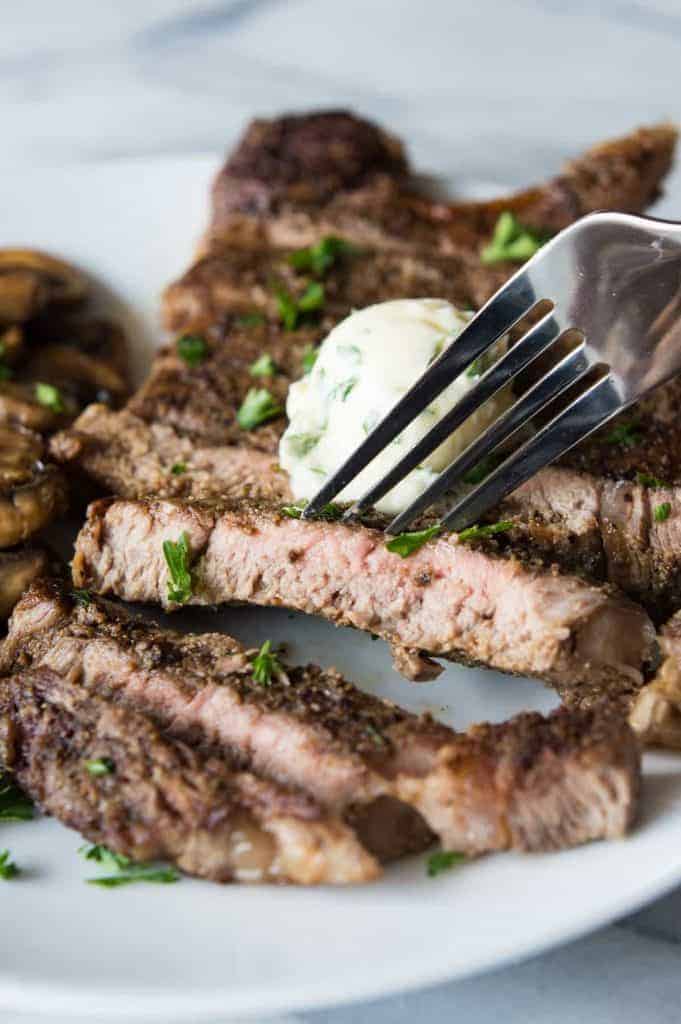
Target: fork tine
pixel 565 373
pixel 532 344
pixel 589 411
pixel 510 304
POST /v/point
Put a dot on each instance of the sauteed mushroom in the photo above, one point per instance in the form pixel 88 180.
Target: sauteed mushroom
pixel 85 358
pixel 30 280
pixel 31 494
pixel 37 405
pixel 11 345
pixel 17 570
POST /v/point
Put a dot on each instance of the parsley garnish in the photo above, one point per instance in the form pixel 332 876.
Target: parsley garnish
pixel 319 258
pixel 257 407
pixel 329 512
pixel 264 366
pixel 192 348
pixel 646 480
pixel 309 358
pixel 100 766
pixel 511 241
pixel 176 554
pixel 126 872
pixel 478 532
pixel 291 309
pixel 662 512
pixel 178 468
pixel 478 473
pixel 14 805
pixel 625 434
pixel 301 444
pixel 406 543
pixel 49 396
pixel 82 597
pixel 265 664
pixel 250 319
pixel 343 389
pixel 8 868
pixel 443 860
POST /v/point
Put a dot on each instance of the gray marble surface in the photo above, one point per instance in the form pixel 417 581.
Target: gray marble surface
pixel 498 90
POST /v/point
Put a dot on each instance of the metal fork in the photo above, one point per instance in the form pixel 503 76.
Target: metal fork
pixel 615 279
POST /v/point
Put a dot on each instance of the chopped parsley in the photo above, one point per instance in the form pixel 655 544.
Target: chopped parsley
pixel 662 511
pixel 250 319
pixel 14 805
pixel 8 868
pixel 192 348
pixel 343 389
pixel 176 554
pixel 320 257
pixel 258 406
pixel 265 665
pixel 291 309
pixel 625 434
pixel 351 352
pixel 511 241
pixel 178 468
pixel 329 512
pixel 100 766
pixel 49 396
pixel 443 860
pixel 646 480
pixel 404 544
pixel 483 469
pixel 125 871
pixel 309 358
pixel 301 444
pixel 82 597
pixel 479 532
pixel 374 735
pixel 264 366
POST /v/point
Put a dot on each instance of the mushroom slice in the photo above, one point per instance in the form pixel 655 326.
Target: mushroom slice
pixel 18 569
pixel 31 494
pixel 85 358
pixel 11 345
pixel 31 404
pixel 30 280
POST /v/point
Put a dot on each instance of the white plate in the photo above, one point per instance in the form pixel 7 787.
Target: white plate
pixel 198 951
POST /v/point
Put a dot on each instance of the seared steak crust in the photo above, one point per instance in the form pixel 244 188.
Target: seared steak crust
pixel 449 599
pixel 161 799
pixel 380 207
pixel 531 783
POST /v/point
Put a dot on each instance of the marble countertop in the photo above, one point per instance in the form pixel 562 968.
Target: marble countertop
pixel 495 90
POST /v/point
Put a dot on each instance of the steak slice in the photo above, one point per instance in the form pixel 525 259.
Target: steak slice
pixel 270 192
pixel 604 505
pixel 529 784
pixel 163 799
pixel 449 599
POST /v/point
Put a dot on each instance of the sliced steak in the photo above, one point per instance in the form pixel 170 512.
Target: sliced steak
pixel 240 281
pixel 263 198
pixel 529 784
pixel 448 599
pixel 614 504
pixel 162 799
